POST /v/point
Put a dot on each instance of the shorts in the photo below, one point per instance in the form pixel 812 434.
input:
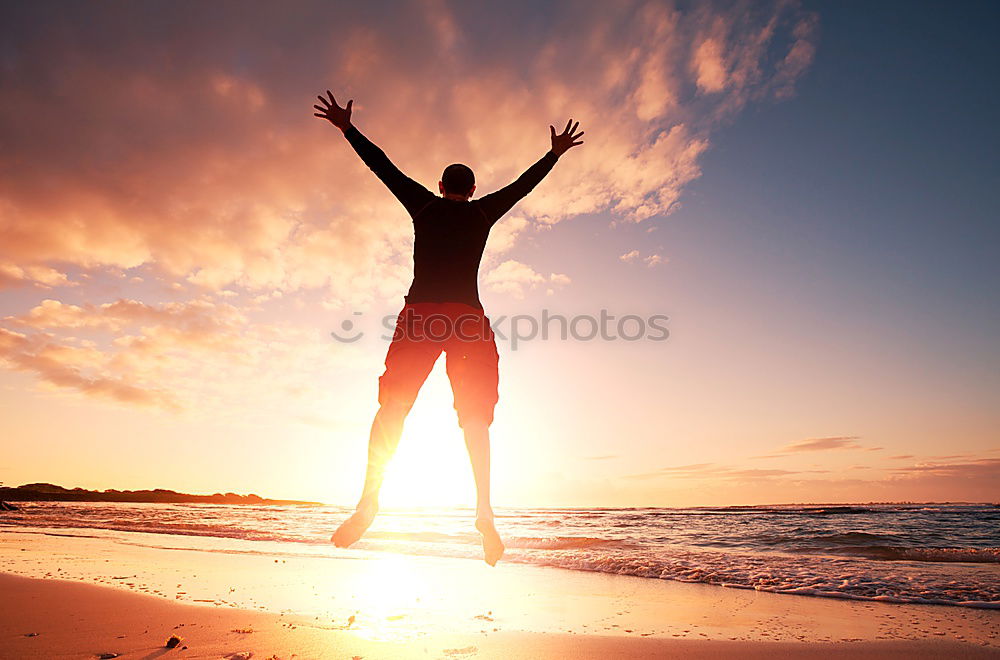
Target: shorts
pixel 423 331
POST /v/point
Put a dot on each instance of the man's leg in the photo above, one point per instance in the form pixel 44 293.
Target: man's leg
pixel 477 440
pixel 408 361
pixel 382 442
pixel 473 370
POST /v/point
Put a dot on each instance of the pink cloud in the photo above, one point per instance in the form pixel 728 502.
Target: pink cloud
pixel 172 356
pixel 69 367
pixel 194 150
pixel 982 468
pixel 188 148
pixel 650 260
pixel 44 277
pixel 713 471
pixel 822 444
pixel 516 278
pixel 932 479
pixel 710 68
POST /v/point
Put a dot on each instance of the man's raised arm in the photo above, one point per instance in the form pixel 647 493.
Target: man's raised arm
pixel 497 203
pixel 411 194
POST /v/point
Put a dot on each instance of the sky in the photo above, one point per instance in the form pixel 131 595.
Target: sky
pixel 804 195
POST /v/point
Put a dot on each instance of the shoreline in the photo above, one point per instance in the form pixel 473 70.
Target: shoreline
pixel 384 605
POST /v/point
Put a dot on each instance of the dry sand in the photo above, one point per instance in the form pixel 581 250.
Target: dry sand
pixel 274 605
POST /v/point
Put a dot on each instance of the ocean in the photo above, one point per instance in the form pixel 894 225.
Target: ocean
pixel 946 554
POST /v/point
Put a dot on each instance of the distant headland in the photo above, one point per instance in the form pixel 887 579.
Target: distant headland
pixel 43 492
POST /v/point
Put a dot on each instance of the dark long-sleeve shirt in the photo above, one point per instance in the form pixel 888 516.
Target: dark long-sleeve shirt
pixel 449 235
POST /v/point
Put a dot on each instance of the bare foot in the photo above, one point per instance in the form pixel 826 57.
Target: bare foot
pixel 492 545
pixel 354 527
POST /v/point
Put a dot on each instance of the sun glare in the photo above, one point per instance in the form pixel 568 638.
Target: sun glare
pixel 390 591
pixel 431 467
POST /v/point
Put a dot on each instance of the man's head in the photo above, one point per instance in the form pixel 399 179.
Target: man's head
pixel 457 182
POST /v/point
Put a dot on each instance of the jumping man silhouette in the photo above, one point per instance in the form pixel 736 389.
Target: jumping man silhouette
pixel 442 313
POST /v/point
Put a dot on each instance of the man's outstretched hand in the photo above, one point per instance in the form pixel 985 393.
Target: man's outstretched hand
pixel 566 140
pixel 339 117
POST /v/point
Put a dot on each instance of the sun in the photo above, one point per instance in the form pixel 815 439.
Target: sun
pixel 431 467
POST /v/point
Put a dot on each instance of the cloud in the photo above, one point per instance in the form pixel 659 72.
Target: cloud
pixel 65 366
pixel 819 444
pixel 515 278
pixel 650 260
pixel 41 276
pixel 822 444
pixel 693 467
pixel 504 236
pixel 167 356
pixel 654 260
pixel 762 473
pixel 690 470
pixel 710 69
pixel 798 58
pixel 190 164
pixel 193 149
pixel 198 319
pixel 983 468
pixel 717 472
pixel 928 480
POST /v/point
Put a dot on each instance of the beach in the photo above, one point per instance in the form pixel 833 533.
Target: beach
pixel 82 593
pixel 478 330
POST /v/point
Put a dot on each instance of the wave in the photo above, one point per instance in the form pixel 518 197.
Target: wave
pixel 935 555
pixel 839 579
pixel 628 529
pixel 562 543
pixel 796 510
pixel 180 530
pixel 829 577
pixel 945 553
